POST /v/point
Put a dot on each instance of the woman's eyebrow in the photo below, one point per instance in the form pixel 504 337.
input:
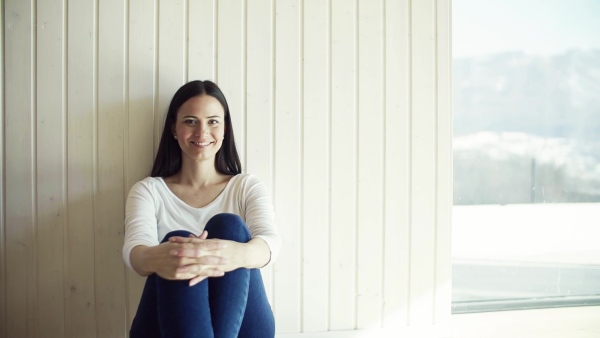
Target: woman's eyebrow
pixel 196 117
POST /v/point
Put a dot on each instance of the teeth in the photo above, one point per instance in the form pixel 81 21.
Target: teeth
pixel 201 144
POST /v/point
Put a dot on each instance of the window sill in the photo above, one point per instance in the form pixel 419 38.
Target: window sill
pixel 572 322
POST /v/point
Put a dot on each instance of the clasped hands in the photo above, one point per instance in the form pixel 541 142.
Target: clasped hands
pixel 197 258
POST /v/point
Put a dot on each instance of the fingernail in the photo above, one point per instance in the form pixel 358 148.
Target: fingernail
pixel 174 252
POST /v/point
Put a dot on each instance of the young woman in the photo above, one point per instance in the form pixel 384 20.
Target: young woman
pixel 199 229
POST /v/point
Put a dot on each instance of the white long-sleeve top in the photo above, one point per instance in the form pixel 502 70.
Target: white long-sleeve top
pixel 153 210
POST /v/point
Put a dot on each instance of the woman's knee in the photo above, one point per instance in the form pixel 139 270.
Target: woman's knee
pixel 228 226
pixel 176 233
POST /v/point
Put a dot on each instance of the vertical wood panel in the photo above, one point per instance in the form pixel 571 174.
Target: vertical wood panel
pixel 443 258
pixel 397 161
pixel 370 164
pixel 259 101
pixel 171 58
pixel 315 138
pixel 287 164
pixel 110 204
pixel 423 163
pixel 19 150
pixel 80 300
pixel 343 166
pixel 230 65
pixel 201 40
pixel 2 191
pixel 139 154
pixel 50 144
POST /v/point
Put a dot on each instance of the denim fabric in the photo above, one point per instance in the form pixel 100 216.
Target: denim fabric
pixel 234 305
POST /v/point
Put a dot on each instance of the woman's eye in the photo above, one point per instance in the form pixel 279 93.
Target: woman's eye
pixel 191 122
pixel 213 122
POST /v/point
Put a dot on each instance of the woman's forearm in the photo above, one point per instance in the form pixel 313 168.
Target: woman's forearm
pixel 257 254
pixel 139 260
pixel 251 255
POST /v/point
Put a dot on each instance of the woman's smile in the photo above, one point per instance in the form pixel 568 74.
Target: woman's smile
pixel 202 144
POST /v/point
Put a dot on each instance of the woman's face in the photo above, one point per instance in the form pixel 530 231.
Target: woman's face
pixel 200 128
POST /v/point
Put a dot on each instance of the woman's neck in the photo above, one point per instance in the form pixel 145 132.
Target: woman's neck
pixel 198 174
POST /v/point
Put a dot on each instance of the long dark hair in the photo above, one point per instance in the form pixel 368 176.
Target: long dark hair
pixel 168 157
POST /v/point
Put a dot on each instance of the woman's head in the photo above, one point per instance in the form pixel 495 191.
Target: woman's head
pixel 169 156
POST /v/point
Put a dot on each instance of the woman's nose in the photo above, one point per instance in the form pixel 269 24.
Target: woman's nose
pixel 199 130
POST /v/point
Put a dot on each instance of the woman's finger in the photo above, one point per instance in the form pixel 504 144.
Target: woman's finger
pixel 211 260
pixel 200 269
pixel 197 280
pixel 212 273
pixel 198 249
pixel 194 270
pixel 177 239
pixel 195 252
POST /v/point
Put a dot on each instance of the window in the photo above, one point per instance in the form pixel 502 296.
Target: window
pixel 526 154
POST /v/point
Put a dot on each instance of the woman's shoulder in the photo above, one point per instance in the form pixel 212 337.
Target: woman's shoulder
pixel 248 185
pixel 245 180
pixel 149 184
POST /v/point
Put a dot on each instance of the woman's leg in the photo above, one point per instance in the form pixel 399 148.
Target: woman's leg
pixel 145 322
pixel 235 303
pixel 173 308
pixel 238 302
pixel 258 318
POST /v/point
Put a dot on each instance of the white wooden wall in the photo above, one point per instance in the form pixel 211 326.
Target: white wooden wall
pixel 342 107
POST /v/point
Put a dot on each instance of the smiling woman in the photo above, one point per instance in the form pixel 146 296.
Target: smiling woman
pixel 199 229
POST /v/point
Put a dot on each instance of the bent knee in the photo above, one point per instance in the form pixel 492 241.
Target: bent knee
pixel 227 218
pixel 228 226
pixel 177 233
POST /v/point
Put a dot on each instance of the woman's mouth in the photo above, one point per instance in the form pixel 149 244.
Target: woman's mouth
pixel 201 144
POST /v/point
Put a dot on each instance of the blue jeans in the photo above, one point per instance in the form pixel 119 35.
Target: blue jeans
pixel 234 305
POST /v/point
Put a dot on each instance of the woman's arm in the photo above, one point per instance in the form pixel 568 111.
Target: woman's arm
pixel 209 260
pixel 139 260
pixel 251 255
pixel 233 255
pixel 257 253
pixel 260 218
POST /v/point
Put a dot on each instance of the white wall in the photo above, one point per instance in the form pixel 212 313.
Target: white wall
pixel 343 109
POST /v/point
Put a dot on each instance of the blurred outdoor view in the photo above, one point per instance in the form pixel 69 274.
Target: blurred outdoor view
pixel 526 154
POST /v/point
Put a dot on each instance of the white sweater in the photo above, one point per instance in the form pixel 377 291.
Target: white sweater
pixel 152 211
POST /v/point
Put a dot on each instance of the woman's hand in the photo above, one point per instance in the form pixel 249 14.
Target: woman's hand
pixel 165 260
pixel 231 255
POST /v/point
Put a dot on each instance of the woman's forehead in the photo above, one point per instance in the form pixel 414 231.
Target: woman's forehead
pixel 201 106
